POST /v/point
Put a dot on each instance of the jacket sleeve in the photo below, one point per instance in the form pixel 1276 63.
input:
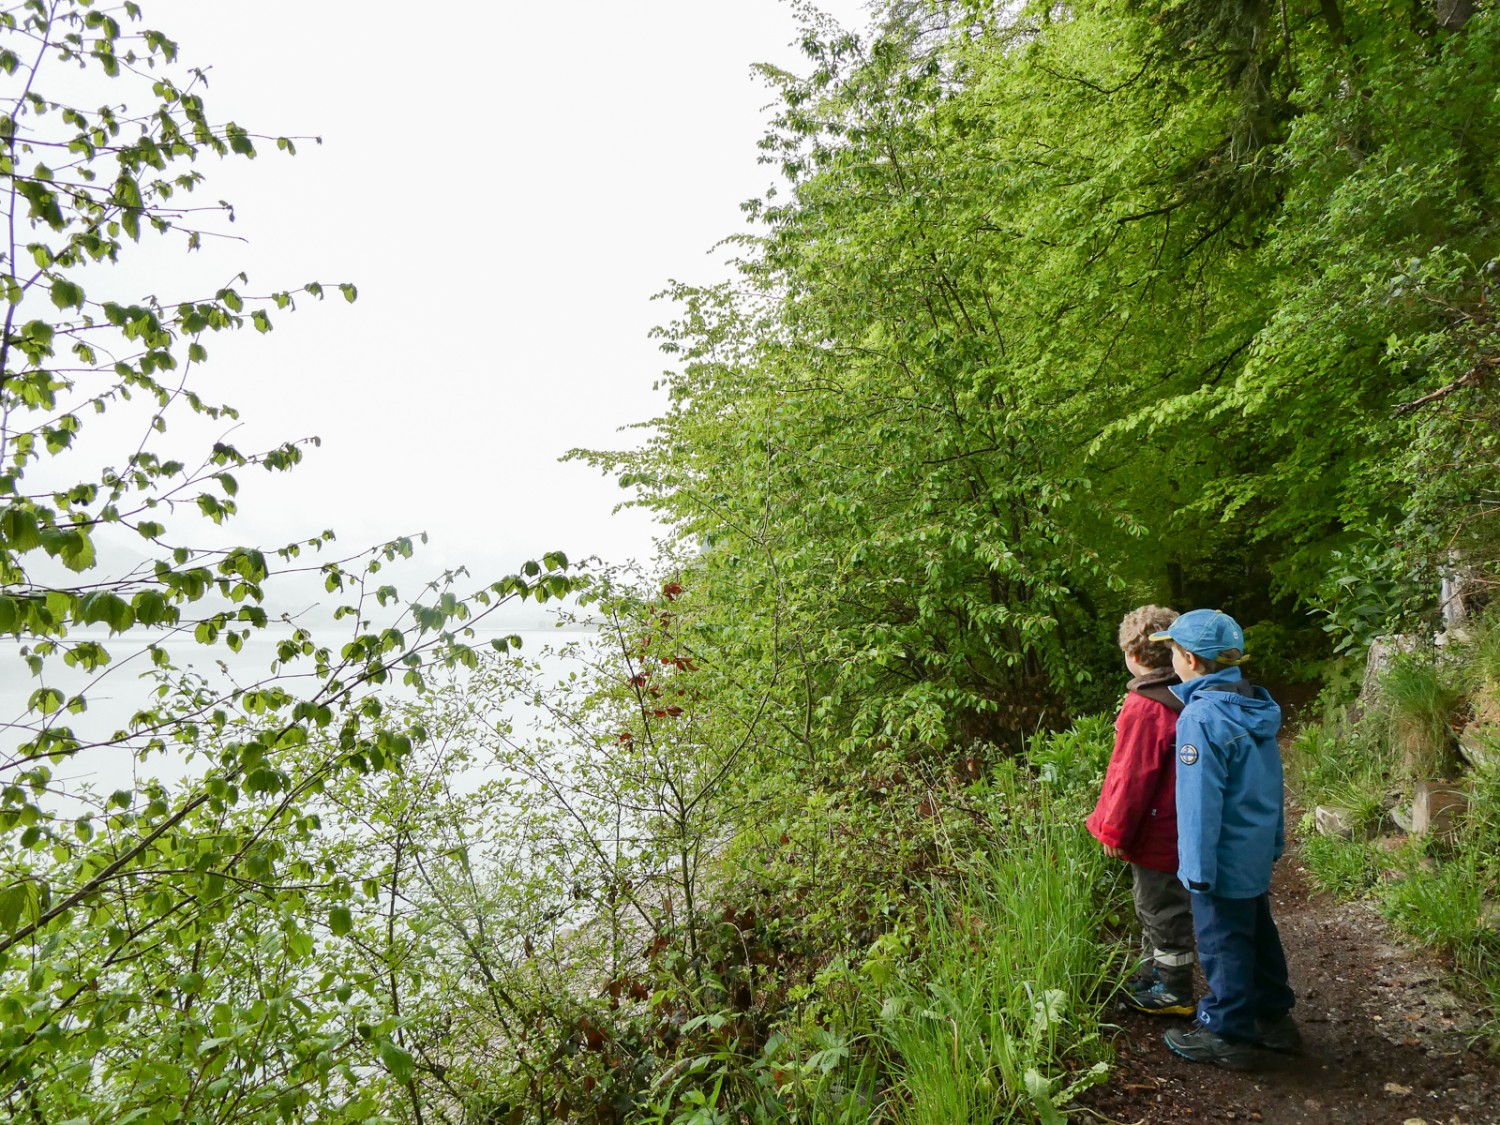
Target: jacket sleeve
pixel 1134 773
pixel 1201 776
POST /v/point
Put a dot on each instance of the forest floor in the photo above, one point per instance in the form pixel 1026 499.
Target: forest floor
pixel 1386 1040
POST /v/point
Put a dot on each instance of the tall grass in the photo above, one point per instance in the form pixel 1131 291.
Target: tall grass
pixel 1421 700
pixel 1347 868
pixel 1339 764
pixel 1004 993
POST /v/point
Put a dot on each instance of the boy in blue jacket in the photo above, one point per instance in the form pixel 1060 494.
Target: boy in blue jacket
pixel 1230 830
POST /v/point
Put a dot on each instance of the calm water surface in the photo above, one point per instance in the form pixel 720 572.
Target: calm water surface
pixel 115 696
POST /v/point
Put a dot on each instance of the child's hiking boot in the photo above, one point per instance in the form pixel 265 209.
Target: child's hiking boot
pixel 1141 980
pixel 1199 1044
pixel 1159 1000
pixel 1279 1033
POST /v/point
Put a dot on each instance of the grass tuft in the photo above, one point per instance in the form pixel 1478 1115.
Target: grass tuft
pixel 1000 1008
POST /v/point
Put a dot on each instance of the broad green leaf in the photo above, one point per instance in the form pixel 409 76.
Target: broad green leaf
pixel 397 1060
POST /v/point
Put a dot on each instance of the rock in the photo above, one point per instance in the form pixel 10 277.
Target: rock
pixel 1486 703
pixel 1396 1089
pixel 1479 743
pixel 1425 864
pixel 1331 820
pixel 1384 650
pixel 1436 809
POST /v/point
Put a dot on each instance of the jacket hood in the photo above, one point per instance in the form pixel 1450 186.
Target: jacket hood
pixel 1236 700
pixel 1158 684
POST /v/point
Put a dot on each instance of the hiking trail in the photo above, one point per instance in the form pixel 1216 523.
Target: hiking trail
pixel 1386 1040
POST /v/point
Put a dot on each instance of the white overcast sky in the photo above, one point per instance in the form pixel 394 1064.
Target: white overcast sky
pixel 507 184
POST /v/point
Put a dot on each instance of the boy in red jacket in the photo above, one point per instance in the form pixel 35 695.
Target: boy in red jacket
pixel 1136 818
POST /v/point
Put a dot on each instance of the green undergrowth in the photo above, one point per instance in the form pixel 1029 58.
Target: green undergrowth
pixel 944 941
pixel 997 1014
pixel 1440 890
pixel 903 943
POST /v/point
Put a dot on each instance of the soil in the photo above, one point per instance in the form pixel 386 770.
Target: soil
pixel 1386 1042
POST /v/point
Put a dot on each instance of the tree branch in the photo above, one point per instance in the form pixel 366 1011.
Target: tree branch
pixel 1470 378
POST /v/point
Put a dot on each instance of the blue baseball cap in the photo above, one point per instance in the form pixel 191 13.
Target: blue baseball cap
pixel 1208 633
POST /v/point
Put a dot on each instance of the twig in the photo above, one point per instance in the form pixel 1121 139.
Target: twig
pixel 1469 378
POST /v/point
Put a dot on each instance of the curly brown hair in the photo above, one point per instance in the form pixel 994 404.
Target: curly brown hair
pixel 1135 634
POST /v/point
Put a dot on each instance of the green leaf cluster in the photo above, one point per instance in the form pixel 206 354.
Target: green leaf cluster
pixel 1063 310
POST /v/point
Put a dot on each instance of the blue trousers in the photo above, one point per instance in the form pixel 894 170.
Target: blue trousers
pixel 1241 955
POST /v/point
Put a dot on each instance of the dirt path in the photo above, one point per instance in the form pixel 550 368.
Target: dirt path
pixel 1385 1042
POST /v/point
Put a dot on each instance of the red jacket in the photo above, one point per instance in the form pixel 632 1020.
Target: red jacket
pixel 1137 810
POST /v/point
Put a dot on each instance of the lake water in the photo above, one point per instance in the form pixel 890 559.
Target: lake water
pixel 121 691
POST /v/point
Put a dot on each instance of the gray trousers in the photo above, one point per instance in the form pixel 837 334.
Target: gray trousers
pixel 1166 912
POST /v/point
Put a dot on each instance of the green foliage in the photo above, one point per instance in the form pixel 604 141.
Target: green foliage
pixel 1420 698
pixel 1480 659
pixel 195 949
pixel 1337 763
pixel 1342 867
pixel 751 974
pixel 1056 311
pixel 1060 310
pixel 1443 896
pixel 1443 907
pixel 1073 761
pixel 1371 591
pixel 609 967
pixel 1285 653
pixel 999 1007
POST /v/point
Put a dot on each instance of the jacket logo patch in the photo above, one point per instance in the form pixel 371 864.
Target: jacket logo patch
pixel 1188 754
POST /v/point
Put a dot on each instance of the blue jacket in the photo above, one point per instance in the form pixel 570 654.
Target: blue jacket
pixel 1230 821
